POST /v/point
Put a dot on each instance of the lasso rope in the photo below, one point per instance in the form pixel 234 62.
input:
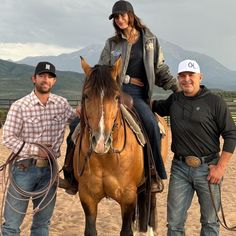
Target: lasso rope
pixel 26 195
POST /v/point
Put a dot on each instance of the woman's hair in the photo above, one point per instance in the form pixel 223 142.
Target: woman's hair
pixel 134 22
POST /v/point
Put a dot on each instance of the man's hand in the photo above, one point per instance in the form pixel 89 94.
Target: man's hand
pixel 216 174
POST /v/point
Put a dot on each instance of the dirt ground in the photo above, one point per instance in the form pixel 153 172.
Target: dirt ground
pixel 68 218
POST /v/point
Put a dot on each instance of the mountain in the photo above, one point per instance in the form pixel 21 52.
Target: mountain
pixel 15 81
pixel 215 74
pixel 68 61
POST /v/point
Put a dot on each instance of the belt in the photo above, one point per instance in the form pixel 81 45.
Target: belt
pixel 193 161
pixel 24 164
pixel 136 81
pixel 133 80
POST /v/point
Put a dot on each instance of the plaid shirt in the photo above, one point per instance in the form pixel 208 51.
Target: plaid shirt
pixel 30 121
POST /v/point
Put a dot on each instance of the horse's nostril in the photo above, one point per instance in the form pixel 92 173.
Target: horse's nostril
pixel 93 139
pixel 109 141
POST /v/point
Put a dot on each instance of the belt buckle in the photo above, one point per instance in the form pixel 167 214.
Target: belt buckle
pixel 126 79
pixel 192 161
pixel 41 163
pixel 22 164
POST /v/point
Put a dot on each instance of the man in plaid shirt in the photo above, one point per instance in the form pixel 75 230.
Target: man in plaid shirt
pixel 40 117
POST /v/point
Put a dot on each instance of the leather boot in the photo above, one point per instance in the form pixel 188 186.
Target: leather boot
pixel 70 189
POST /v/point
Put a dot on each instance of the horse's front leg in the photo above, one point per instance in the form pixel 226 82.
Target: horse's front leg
pixel 90 210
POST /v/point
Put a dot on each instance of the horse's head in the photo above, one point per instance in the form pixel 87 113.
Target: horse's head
pixel 100 103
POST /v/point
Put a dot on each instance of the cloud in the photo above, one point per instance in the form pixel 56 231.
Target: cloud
pixel 202 26
pixel 51 21
pixel 18 51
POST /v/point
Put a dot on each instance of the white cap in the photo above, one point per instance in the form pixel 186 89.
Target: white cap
pixel 188 66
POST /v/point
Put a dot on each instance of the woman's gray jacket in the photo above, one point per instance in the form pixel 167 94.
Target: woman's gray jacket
pixel 157 71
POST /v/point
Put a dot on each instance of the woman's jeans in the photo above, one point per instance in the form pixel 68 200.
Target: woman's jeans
pixel 31 179
pixel 184 181
pixel 150 124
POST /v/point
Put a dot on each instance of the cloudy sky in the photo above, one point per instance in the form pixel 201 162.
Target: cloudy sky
pixel 52 27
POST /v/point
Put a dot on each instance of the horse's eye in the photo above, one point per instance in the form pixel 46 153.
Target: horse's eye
pixel 117 97
pixel 85 96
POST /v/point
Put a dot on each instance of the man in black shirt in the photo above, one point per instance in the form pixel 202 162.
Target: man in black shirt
pixel 198 119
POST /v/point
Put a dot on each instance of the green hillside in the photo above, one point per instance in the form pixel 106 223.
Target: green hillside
pixel 15 81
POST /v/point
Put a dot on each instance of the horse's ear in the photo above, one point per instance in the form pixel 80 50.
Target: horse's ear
pixel 87 69
pixel 116 70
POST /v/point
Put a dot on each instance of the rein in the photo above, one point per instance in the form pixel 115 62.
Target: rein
pixel 125 136
pixel 224 223
pixel 89 153
pixel 87 157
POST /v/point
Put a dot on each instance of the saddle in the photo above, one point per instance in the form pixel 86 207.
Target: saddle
pixel 132 119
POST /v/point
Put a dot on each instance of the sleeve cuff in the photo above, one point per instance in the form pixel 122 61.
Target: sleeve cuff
pixel 229 146
pixel 33 150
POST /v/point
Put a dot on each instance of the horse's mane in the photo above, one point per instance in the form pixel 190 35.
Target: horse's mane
pixel 100 80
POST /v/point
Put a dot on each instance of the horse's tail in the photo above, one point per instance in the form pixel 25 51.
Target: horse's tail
pixel 143 210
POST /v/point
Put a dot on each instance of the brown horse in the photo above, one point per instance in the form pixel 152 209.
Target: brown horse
pixel 108 160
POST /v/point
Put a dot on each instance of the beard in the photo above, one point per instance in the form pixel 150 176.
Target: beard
pixel 41 88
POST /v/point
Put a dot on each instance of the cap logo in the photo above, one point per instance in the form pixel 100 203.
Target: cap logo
pixel 191 65
pixel 47 67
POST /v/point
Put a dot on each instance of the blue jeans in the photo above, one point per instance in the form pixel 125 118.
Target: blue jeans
pixel 184 181
pixel 30 179
pixel 149 123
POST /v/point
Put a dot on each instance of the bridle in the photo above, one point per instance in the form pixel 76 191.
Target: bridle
pixel 90 149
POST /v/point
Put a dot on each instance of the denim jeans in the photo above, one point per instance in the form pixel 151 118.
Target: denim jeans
pixel 184 181
pixel 31 179
pixel 149 123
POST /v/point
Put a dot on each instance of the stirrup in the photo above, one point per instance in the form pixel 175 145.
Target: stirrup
pixel 157 186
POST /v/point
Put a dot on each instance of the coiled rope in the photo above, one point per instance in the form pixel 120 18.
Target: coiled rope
pixel 26 195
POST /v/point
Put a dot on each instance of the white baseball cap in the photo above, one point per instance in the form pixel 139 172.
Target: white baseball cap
pixel 188 66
